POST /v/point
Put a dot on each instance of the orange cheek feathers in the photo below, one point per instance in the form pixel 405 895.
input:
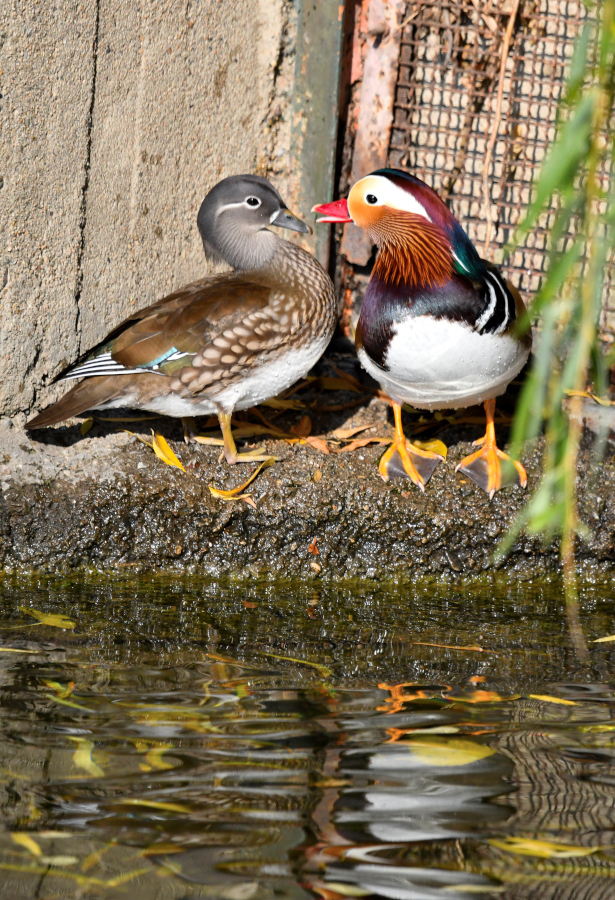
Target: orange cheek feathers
pixel 366 217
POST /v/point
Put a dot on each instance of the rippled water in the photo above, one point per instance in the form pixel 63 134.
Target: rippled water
pixel 190 739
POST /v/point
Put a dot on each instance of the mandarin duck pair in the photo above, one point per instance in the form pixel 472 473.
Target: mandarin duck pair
pixel 436 327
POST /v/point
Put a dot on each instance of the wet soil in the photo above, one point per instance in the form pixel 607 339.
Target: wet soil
pixel 104 500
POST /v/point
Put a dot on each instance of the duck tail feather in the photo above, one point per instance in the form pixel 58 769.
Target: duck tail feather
pixel 88 394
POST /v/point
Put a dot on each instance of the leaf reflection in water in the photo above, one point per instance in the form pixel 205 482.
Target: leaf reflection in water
pixel 203 740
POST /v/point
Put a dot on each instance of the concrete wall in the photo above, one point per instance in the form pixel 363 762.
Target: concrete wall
pixel 117 118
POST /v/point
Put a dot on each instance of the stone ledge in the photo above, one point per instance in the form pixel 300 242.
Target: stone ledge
pixel 105 501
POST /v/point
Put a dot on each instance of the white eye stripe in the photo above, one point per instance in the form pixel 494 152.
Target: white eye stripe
pixel 235 205
pixel 389 194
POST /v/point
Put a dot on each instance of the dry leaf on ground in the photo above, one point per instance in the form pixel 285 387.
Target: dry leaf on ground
pixel 434 446
pixel 164 452
pixel 55 621
pixel 82 757
pixel 343 433
pixel 237 493
pixel 363 442
pixel 441 751
pixel 542 849
pixel 547 698
pixel 303 429
pixel 161 449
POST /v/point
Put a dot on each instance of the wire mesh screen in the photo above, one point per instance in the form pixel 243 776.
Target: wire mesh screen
pixel 447 123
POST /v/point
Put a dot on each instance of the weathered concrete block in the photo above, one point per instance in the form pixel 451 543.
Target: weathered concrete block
pixel 182 97
pixel 118 119
pixel 46 58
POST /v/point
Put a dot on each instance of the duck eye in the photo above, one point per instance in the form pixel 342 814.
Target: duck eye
pixel 371 199
pixel 253 201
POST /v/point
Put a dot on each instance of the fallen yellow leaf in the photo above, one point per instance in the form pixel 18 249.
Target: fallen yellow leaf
pixel 600 400
pixel 233 492
pixel 604 640
pixel 154 804
pixel 339 384
pixel 451 646
pixel 547 698
pixel 161 448
pixel 125 877
pixel 480 697
pixel 434 446
pixel 24 840
pixel 72 705
pixel 343 433
pixel 542 849
pixel 435 729
pixel 348 890
pixel 159 849
pixel 246 431
pixel 164 452
pixel 439 751
pixel 280 403
pixel 59 861
pixel 85 426
pixel 82 757
pixel 363 442
pixel 322 669
pixel 56 621
pixel 62 691
pixel 155 760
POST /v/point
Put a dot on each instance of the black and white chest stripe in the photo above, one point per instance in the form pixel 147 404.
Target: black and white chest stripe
pixel 500 311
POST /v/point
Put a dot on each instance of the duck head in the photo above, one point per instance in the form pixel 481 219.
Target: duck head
pixel 234 221
pixel 415 232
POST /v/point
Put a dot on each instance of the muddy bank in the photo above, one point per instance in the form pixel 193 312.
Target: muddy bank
pixel 104 500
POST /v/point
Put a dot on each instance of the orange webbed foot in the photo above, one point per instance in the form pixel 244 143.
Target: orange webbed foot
pixel 405 460
pixel 484 466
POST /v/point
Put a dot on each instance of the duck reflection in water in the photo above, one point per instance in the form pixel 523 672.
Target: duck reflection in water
pixel 424 783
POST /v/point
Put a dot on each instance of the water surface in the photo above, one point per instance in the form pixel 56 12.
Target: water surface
pixel 176 738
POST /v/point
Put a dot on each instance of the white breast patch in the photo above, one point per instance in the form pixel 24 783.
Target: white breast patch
pixel 439 364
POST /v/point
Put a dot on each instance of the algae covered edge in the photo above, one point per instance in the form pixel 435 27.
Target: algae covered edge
pixel 130 512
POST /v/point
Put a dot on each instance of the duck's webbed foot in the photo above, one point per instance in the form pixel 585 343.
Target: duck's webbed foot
pixel 230 450
pixel 405 460
pixel 484 466
pixel 189 426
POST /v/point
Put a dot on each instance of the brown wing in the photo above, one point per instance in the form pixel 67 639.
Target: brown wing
pixel 187 319
pixel 150 333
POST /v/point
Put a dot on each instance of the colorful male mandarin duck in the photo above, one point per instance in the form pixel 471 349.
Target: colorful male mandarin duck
pixel 226 342
pixel 436 327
